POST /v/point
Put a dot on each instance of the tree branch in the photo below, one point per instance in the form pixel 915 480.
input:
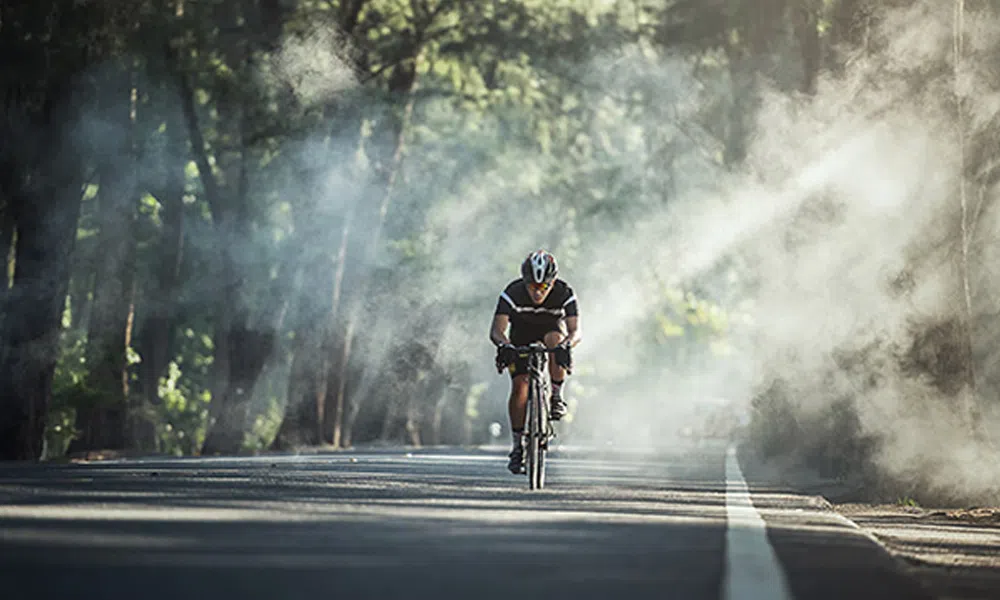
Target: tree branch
pixel 212 192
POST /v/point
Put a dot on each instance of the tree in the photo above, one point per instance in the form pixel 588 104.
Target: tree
pixel 103 411
pixel 43 99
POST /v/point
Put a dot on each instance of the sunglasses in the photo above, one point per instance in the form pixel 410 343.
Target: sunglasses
pixel 539 287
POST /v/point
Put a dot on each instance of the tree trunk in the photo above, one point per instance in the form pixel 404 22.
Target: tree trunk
pixel 241 349
pixel 308 386
pixel 45 52
pixel 243 343
pixel 741 88
pixel 415 400
pixel 302 425
pixel 248 351
pixel 391 414
pixel 336 396
pixel 46 229
pixel 402 84
pixel 101 419
pixel 850 22
pixel 970 394
pixel 6 248
pixel 160 302
pixel 807 32
pixel 359 387
pixel 246 332
pixel 9 189
pixel 413 421
pixel 313 386
pixel 303 414
pixel 437 419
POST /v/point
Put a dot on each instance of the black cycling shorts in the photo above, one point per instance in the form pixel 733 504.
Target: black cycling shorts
pixel 522 338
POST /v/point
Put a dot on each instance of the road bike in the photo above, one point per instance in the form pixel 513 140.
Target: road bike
pixel 538 430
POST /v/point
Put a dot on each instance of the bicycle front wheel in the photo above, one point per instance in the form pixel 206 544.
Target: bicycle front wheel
pixel 536 438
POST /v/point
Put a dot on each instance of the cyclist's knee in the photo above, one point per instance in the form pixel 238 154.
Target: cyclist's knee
pixel 554 338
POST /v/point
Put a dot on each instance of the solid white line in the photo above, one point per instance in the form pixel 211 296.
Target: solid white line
pixel 752 570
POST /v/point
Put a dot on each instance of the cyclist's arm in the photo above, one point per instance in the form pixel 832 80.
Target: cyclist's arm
pixel 498 331
pixel 572 331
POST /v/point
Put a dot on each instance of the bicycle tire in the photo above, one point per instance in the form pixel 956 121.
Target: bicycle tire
pixel 540 476
pixel 544 431
pixel 536 441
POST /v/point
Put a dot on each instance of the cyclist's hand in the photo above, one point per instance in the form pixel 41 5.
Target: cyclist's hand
pixel 505 356
pixel 564 356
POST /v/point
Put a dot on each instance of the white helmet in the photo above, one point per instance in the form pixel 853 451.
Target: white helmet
pixel 539 267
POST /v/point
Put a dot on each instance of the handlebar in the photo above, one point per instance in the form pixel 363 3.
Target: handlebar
pixel 535 348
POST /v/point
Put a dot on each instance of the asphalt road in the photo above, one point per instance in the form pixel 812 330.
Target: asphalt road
pixel 432 523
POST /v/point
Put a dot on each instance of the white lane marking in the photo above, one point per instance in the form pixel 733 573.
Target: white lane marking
pixel 752 570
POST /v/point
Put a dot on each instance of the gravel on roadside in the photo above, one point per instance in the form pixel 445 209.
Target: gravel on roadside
pixel 955 553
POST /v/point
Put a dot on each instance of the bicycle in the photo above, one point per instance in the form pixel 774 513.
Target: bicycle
pixel 538 430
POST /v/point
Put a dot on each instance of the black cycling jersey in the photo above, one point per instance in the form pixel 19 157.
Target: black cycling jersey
pixel 530 322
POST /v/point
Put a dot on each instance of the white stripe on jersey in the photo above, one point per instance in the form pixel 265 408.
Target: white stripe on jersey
pixel 559 312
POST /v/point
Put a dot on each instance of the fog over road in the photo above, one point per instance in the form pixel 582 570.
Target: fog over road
pixel 430 523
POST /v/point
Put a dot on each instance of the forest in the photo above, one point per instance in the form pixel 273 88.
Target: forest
pixel 236 226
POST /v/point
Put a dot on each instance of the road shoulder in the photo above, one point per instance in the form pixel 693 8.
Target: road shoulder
pixel 955 553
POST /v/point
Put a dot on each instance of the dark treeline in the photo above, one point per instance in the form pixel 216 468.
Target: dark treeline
pixel 234 225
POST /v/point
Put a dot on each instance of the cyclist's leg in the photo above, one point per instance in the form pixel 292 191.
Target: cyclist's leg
pixel 517 405
pixel 553 339
pixel 557 375
pixel 517 408
pixel 518 402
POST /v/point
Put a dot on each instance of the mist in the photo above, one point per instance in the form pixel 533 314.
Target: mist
pixel 825 293
pixel 828 255
pixel 844 229
pixel 832 253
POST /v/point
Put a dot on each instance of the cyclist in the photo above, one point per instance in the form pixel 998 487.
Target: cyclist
pixel 538 307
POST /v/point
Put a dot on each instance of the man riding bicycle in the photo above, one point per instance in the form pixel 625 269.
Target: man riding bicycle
pixel 538 307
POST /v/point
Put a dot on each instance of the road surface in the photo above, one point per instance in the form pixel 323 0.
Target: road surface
pixel 430 523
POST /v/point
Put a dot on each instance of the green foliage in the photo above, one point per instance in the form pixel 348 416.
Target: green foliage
pixel 69 390
pixel 185 394
pixel 265 427
pixel 183 414
pixel 473 399
pixel 588 116
pixel 60 429
pixel 150 207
